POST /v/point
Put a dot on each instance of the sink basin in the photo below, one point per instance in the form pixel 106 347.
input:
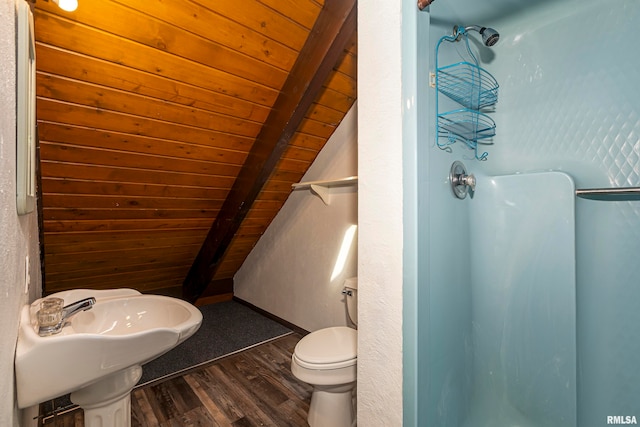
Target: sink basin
pixel 130 315
pixel 123 329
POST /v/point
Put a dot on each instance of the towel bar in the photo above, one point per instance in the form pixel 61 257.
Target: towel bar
pixel 610 194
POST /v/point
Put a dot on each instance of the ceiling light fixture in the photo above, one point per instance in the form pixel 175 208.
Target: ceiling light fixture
pixel 67 5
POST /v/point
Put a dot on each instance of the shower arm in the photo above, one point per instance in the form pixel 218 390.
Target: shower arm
pixel 489 35
pixel 460 30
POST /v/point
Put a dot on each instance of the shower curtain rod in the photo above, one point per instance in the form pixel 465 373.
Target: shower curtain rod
pixel 610 194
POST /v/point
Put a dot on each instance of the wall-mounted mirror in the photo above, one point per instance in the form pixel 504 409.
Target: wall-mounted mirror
pixel 26 111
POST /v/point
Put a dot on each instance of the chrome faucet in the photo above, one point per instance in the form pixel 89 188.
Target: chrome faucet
pixel 68 312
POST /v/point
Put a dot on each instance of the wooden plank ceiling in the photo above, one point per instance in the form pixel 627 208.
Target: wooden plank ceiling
pixel 147 111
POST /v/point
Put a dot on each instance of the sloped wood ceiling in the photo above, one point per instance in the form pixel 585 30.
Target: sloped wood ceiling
pixel 147 110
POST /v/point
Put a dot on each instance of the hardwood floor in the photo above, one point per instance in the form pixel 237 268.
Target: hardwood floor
pixel 251 388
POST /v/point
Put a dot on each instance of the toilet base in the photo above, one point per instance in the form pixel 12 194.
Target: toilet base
pixel 332 406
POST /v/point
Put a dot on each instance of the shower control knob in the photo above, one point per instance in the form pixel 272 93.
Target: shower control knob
pixel 460 181
pixel 469 180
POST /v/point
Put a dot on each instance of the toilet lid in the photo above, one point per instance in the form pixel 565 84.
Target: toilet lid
pixel 327 346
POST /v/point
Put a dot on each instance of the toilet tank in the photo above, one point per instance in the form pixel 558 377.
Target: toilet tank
pixel 351 296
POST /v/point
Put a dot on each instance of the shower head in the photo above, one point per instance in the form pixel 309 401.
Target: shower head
pixel 489 36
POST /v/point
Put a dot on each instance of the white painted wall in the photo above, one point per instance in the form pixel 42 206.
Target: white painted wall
pixel 18 235
pixel 380 213
pixel 289 272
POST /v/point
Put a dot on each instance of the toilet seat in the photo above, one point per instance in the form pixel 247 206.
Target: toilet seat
pixel 329 348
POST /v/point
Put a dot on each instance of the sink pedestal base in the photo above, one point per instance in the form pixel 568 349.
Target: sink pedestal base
pixel 107 403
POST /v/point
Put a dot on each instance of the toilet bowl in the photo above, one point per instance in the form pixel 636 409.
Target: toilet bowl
pixel 327 360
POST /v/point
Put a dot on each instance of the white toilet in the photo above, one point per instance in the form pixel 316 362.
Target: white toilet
pixel 327 359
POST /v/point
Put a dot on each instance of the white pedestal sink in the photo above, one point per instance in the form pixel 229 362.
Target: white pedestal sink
pixel 97 355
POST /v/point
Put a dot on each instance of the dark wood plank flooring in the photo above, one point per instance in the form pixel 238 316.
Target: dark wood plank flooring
pixel 252 388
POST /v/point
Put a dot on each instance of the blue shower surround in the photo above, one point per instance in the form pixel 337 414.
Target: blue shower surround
pixel 569 102
pixel 523 287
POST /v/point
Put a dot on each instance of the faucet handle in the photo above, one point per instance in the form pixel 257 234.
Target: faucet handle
pixel 50 315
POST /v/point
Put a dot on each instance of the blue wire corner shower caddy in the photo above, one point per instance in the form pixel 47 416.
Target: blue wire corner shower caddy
pixel 473 88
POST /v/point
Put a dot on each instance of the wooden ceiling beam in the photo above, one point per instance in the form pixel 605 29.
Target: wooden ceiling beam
pixel 329 37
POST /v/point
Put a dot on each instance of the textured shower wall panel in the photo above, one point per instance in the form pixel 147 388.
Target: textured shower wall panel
pixel 570 101
pixel 569 97
pixel 524 306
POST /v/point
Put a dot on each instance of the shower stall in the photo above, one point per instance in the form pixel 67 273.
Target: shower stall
pixel 528 295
